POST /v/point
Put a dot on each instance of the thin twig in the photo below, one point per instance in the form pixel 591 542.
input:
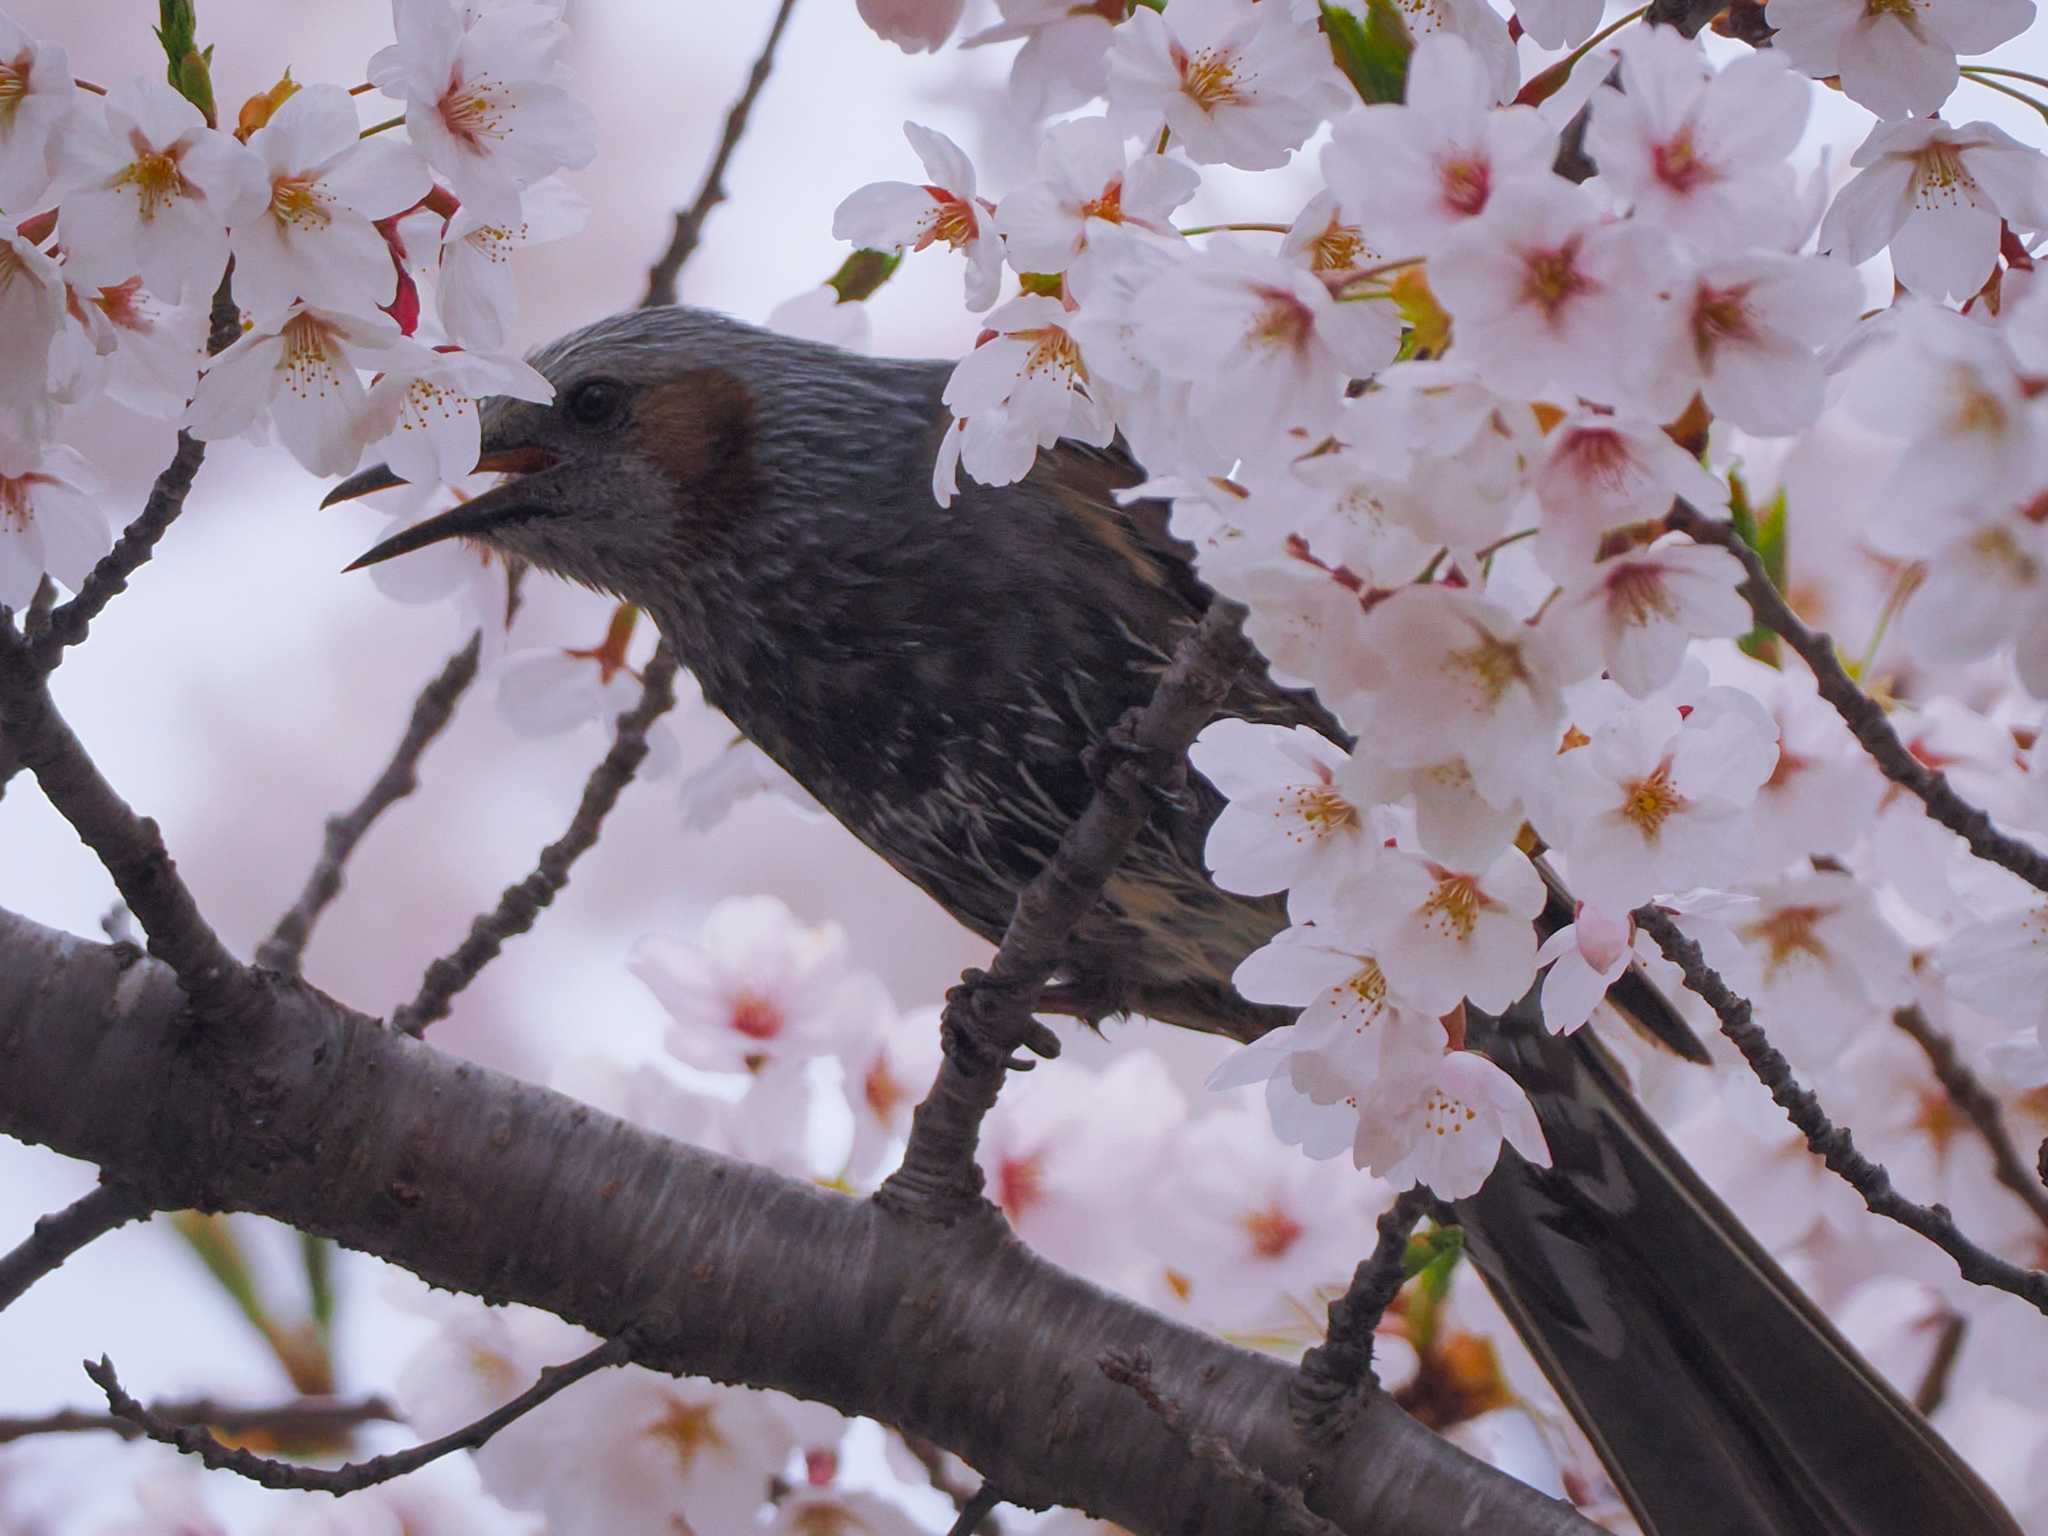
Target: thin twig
pixel 1863 715
pixel 977 1508
pixel 1335 1375
pixel 195 1440
pixel 521 904
pixel 661 279
pixel 989 1015
pixel 1979 1105
pixel 933 1460
pixel 1831 1143
pixel 286 946
pixel 56 1237
pixel 300 1418
pixel 1941 1365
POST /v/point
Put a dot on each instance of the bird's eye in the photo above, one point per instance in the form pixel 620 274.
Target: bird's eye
pixel 595 403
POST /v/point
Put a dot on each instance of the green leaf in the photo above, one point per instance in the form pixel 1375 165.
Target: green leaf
pixel 862 273
pixel 317 1253
pixel 1766 534
pixel 186 65
pixel 1432 1258
pixel 1372 49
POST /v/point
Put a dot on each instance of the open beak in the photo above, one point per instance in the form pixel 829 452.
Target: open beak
pixel 489 509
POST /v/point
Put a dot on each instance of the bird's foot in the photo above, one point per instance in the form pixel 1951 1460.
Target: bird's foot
pixel 980 1028
pixel 1165 782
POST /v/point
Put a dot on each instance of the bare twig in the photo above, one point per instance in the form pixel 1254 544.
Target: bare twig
pixel 1831 1143
pixel 521 904
pixel 1941 1365
pixel 977 1509
pixel 286 946
pixel 300 1418
pixel 1863 715
pixel 1336 1373
pixel 56 1237
pixel 196 1440
pixel 933 1460
pixel 988 1016
pixel 661 279
pixel 1979 1105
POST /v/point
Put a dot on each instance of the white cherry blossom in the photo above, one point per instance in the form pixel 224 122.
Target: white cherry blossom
pixel 420 415
pixel 50 519
pixel 1601 472
pixel 819 314
pixel 1298 813
pixel 1934 193
pixel 1349 1014
pixel 1827 964
pixel 1089 186
pixel 1477 25
pixel 306 232
pixel 157 348
pixel 1235 82
pixel 915 26
pixel 1324 239
pixel 149 190
pixel 483 101
pixel 1702 153
pixel 1064 62
pixel 2000 965
pixel 1442 935
pixel 1894 56
pixel 477 301
pixel 1560 23
pixel 32 304
pixel 1421 169
pixel 37 101
pixel 551 690
pixel 1442 1121
pixel 1639 611
pixel 1585 958
pixel 898 215
pixel 301 369
pixel 1023 388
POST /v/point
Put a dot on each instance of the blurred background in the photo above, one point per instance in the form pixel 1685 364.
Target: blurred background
pixel 244 689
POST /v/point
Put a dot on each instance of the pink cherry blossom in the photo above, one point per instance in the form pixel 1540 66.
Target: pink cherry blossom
pixel 50 519
pixel 1602 472
pixel 915 26
pixel 1064 62
pixel 477 302
pixel 1442 1123
pixel 1638 611
pixel 1090 186
pixel 1894 56
pixel 1828 965
pixel 32 304
pixel 897 215
pixel 1586 957
pixel 1442 935
pixel 1298 807
pixel 420 415
pixel 35 82
pixel 1023 387
pixel 301 371
pixel 1560 23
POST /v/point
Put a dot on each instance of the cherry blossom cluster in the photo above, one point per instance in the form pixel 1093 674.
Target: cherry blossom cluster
pixel 1429 431
pixel 376 251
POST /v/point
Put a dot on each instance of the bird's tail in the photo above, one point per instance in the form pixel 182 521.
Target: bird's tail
pixel 1717 1395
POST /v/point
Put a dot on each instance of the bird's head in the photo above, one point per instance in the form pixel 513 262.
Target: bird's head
pixel 673 434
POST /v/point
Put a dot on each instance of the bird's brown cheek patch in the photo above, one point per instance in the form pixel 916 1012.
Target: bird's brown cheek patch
pixel 700 428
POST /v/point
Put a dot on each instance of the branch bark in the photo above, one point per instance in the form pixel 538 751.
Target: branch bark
pixel 1979 1104
pixel 483 1184
pixel 300 1418
pixel 59 1235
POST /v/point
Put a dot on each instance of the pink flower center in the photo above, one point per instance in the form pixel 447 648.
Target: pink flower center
pixel 755 1017
pixel 1272 1231
pixel 1020 1185
pixel 16 511
pixel 1721 315
pixel 1551 279
pixel 119 305
pixel 1787 934
pixel 155 176
pixel 1282 321
pixel 13 85
pixel 473 111
pixel 1453 907
pixel 1678 165
pixel 297 204
pixel 1467 184
pixel 1637 594
pixel 1208 78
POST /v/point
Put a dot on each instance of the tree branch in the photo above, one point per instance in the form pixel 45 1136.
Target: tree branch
pixel 988 1016
pixel 521 904
pixel 286 946
pixel 1832 1143
pixel 1336 1374
pixel 1863 715
pixel 1968 1093
pixel 978 1508
pixel 481 1183
pixel 56 1237
pixel 661 279
pixel 198 1440
pixel 300 1418
pixel 1941 1365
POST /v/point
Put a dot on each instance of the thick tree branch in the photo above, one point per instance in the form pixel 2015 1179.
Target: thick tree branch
pixel 286 946
pixel 1830 1142
pixel 520 906
pixel 1863 715
pixel 56 1237
pixel 1337 1373
pixel 661 280
pixel 1979 1104
pixel 988 1016
pixel 481 1183
pixel 198 1440
pixel 302 1418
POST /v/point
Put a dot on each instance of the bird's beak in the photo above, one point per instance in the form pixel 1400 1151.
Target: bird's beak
pixel 503 503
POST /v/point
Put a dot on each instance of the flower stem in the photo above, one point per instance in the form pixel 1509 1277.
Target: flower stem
pixel 1210 229
pixel 363 89
pixel 2010 74
pixel 87 85
pixel 389 122
pixel 1546 83
pixel 2006 90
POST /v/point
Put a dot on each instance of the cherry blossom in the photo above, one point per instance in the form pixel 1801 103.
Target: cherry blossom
pixel 755 988
pixel 1089 186
pixel 1275 351
pixel 1022 388
pixel 420 415
pixel 50 519
pixel 461 572
pixel 476 296
pixel 1585 958
pixel 886 1075
pixel 2000 965
pixel 1894 56
pixel 307 232
pixel 1602 471
pixel 1441 1122
pixel 1297 817
pixel 915 26
pixel 1934 192
pixel 1700 152
pixel 1424 168
pixel 839 1511
pixel 32 304
pixel 1478 26
pixel 1064 62
pixel 899 214
pixel 1559 23
pixel 150 190
pixel 551 690
pixel 1349 1016
pixel 1984 589
pixel 301 369
pixel 1827 964
pixel 1235 82
pixel 1443 935
pixel 156 348
pixel 39 100
pixel 819 314
pixel 1545 294
pixel 482 102
pixel 1323 240
pixel 1638 611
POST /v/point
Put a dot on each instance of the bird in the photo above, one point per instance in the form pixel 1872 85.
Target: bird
pixel 934 677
